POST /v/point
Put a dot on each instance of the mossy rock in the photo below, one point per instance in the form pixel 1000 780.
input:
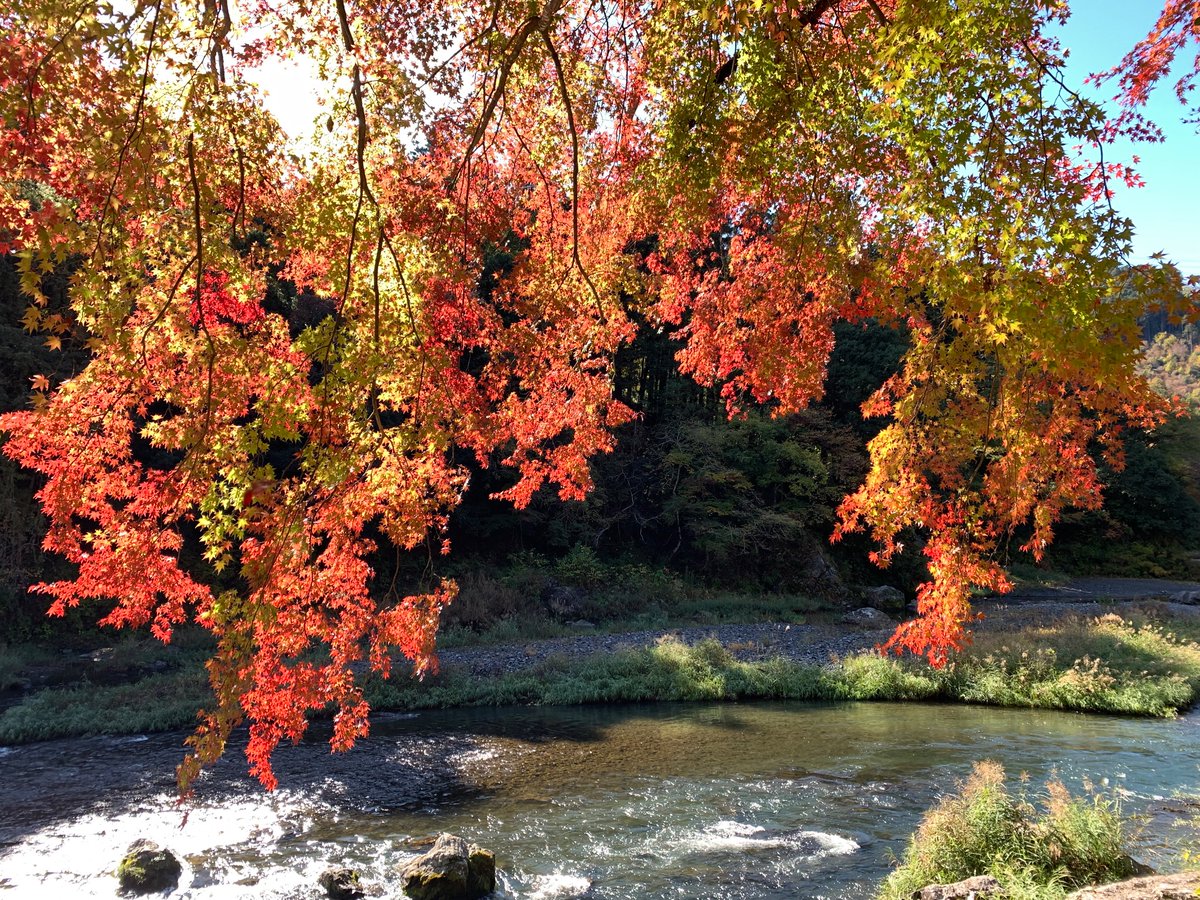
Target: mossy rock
pixel 481 871
pixel 451 870
pixel 340 884
pixel 148 869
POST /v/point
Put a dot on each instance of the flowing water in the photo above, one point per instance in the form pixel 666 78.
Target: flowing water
pixel 779 800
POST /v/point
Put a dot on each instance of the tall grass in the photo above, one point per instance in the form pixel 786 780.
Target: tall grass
pixel 1037 851
pixel 156 703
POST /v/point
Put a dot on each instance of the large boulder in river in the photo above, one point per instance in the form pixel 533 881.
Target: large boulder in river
pixel 148 869
pixel 451 870
pixel 340 883
pixel 1156 887
pixel 979 887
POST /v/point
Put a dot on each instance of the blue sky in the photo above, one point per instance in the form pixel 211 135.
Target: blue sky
pixel 1166 211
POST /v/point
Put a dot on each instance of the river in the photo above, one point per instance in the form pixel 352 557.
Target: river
pixel 770 800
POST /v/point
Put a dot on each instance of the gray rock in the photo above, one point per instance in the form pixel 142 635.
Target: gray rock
pixel 868 618
pixel 340 883
pixel 450 870
pixel 816 573
pixel 148 869
pixel 885 598
pixel 1156 887
pixel 976 888
pixel 1191 598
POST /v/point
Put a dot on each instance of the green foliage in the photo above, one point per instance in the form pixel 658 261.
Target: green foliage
pixel 869 676
pixel 865 356
pixel 1108 665
pixel 1035 851
pixel 1171 362
pixel 1150 524
pixel 669 671
pixel 581 567
pixel 748 491
pixel 157 703
pixel 1146 670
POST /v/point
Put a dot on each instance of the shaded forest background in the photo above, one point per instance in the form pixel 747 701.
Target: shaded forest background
pixel 694 516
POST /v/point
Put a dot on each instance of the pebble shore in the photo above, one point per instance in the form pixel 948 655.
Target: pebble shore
pixel 818 644
pixel 813 644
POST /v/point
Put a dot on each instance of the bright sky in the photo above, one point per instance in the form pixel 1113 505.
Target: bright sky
pixel 1166 211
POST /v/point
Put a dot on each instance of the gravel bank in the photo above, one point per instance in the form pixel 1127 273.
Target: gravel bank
pixel 817 644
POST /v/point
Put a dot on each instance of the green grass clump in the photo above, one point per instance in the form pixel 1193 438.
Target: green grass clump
pixel 155 703
pixel 1132 666
pixel 1037 852
pixel 669 671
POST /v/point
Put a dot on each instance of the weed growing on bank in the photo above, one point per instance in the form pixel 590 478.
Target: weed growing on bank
pixel 1036 850
pixel 1107 665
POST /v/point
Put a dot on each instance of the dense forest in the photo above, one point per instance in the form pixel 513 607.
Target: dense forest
pixel 693 510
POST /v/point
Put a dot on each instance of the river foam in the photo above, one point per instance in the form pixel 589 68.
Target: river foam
pixel 729 836
pixel 559 886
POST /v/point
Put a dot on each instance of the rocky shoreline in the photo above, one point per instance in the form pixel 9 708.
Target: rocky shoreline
pixel 814 644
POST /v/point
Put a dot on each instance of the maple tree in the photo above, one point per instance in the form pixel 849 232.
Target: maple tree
pixel 744 174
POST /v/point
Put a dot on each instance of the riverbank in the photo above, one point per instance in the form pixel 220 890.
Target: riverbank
pixel 1130 658
pixel 1143 661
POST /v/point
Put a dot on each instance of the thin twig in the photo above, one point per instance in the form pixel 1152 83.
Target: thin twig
pixel 566 99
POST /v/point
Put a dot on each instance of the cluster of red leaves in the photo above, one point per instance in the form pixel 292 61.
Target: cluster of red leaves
pixel 1150 61
pixel 743 174
pixel 215 304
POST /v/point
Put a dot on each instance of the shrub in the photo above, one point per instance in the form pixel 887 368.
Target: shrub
pixel 986 830
pixel 582 568
pixel 482 601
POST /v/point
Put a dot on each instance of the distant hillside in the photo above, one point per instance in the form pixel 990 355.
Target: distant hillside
pixel 1172 363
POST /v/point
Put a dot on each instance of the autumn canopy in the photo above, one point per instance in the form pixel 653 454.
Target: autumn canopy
pixel 744 173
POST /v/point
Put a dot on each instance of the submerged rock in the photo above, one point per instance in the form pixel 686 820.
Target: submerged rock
pixel 147 869
pixel 451 870
pixel 1155 887
pixel 340 883
pixel 977 888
